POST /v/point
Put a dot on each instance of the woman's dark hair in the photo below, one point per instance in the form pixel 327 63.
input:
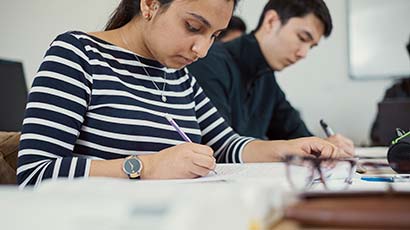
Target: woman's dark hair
pixel 236 23
pixel 128 9
pixel 288 9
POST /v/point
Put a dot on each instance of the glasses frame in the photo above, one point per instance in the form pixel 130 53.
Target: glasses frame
pixel 316 163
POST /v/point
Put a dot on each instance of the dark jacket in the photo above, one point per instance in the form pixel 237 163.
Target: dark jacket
pixel 242 86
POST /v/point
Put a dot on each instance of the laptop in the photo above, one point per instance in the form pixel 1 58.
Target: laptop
pixel 393 113
pixel 13 95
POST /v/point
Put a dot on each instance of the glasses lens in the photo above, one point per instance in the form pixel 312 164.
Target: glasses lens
pixel 299 172
pixel 336 174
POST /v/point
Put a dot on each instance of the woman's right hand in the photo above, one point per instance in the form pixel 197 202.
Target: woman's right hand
pixel 184 161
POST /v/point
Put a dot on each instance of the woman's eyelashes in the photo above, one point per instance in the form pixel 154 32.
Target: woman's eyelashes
pixel 192 28
pixel 197 29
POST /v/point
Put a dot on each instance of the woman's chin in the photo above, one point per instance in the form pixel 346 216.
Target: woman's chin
pixel 174 65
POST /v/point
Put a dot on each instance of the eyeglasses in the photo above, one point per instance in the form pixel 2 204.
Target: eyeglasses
pixel 334 174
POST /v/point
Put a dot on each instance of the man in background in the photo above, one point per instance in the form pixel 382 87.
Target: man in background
pixel 236 28
pixel 239 76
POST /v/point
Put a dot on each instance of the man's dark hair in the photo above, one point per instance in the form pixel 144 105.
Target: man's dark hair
pixel 236 23
pixel 408 47
pixel 287 9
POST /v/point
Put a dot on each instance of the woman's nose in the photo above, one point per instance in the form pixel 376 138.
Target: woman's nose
pixel 201 47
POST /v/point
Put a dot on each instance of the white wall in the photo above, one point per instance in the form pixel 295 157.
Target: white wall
pixel 318 86
pixel 28 27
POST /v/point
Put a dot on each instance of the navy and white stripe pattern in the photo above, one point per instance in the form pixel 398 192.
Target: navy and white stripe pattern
pixel 93 100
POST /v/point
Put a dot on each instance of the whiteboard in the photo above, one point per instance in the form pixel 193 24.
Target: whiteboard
pixel 379 31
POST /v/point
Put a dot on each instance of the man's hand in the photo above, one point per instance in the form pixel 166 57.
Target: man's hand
pixel 308 146
pixel 344 143
pixel 269 151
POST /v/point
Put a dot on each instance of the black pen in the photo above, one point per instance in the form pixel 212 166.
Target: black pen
pixel 329 132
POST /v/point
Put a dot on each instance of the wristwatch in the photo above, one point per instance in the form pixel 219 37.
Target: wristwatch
pixel 132 166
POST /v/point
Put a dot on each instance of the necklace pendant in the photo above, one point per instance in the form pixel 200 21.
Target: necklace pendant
pixel 163 98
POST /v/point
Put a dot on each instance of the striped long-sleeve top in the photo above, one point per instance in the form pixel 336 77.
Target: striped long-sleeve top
pixel 93 100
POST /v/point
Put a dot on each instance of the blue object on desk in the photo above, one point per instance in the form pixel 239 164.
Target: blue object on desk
pixel 377 179
pixel 397 178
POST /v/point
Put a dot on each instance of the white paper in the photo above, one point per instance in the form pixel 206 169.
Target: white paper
pixel 234 172
pixel 371 152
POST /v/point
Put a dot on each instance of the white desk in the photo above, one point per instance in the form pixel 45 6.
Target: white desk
pixel 106 203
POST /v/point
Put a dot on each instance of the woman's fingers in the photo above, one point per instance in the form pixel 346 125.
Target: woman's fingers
pixel 205 161
pixel 199 171
pixel 198 148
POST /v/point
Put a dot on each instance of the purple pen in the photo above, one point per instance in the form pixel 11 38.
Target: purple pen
pixel 180 132
pixel 177 128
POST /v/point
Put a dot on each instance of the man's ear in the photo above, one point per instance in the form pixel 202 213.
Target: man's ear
pixel 271 20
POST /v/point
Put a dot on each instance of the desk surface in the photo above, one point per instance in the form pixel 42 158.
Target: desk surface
pixel 119 203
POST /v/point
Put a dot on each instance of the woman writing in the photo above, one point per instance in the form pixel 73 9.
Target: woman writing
pixel 98 103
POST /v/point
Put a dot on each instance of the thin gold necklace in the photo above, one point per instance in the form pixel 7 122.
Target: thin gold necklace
pixel 163 98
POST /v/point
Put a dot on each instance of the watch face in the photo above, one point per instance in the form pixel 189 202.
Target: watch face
pixel 132 165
